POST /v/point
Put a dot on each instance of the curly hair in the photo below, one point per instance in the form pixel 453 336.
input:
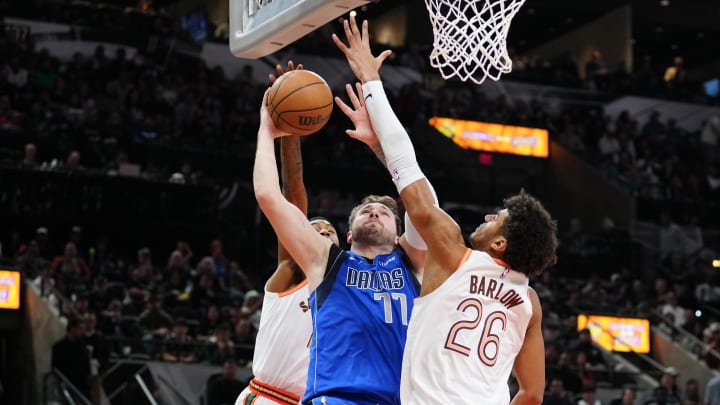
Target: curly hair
pixel 385 200
pixel 531 235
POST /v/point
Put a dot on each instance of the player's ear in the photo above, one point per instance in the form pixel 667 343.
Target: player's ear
pixel 498 244
pixel 349 237
pixel 397 240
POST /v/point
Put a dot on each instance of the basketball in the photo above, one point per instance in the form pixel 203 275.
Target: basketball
pixel 300 102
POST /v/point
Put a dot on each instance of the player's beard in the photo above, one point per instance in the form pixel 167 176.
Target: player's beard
pixel 373 236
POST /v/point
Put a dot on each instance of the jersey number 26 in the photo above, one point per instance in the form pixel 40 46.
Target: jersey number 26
pixel 486 339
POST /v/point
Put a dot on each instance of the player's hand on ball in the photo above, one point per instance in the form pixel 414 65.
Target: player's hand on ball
pixel 280 71
pixel 363 131
pixel 266 121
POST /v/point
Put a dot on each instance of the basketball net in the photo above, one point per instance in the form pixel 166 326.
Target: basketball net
pixel 470 37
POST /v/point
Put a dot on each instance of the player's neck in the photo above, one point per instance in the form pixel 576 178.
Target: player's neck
pixel 370 252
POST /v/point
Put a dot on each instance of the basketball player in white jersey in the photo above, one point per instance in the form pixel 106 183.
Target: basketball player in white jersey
pixel 476 319
pixel 281 357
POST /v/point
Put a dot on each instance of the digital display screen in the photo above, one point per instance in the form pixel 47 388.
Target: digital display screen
pixel 9 289
pixel 492 137
pixel 616 333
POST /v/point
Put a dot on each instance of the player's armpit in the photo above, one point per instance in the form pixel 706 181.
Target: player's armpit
pixel 530 362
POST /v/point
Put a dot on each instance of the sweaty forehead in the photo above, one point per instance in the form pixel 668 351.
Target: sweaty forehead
pixel 376 205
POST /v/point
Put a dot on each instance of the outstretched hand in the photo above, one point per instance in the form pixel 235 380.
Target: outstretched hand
pixel 266 121
pixel 364 65
pixel 358 114
pixel 280 71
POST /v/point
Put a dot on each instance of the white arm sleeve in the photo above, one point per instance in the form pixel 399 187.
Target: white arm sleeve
pixel 398 149
pixel 395 142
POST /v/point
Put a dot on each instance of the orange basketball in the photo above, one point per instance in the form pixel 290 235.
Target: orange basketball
pixel 300 102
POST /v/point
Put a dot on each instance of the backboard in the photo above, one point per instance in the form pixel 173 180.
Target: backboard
pixel 261 27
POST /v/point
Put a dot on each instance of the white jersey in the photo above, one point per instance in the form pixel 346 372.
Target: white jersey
pixel 463 337
pixel 282 351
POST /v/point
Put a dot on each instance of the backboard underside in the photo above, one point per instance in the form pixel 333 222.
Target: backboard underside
pixel 261 27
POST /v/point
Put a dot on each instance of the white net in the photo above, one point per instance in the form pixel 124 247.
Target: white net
pixel 470 37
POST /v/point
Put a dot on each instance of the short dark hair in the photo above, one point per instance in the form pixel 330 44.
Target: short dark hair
pixel 385 200
pixel 531 235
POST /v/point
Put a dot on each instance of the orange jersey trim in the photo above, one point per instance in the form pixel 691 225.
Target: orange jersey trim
pixel 465 258
pixel 272 393
pixel 292 290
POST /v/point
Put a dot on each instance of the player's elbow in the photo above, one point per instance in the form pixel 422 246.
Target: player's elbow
pixel 528 397
pixel 264 195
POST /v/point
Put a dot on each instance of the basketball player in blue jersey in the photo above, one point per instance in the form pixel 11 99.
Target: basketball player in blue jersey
pixel 361 299
pixel 476 319
pixel 281 355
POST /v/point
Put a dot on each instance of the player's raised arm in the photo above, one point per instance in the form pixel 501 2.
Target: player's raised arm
pixel 294 232
pixel 434 227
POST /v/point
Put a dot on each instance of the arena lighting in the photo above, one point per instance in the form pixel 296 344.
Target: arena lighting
pixel 618 334
pixel 10 287
pixel 716 263
pixel 494 137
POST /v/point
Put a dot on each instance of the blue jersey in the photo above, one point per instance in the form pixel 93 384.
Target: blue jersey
pixel 360 316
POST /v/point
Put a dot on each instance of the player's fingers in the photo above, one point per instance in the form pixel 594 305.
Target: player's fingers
pixel 365 37
pixel 353 25
pixel 348 31
pixel 360 92
pixel 353 98
pixel 291 65
pixel 352 133
pixel 343 107
pixel 272 78
pixel 299 66
pixel 279 70
pixel 340 44
pixel 384 55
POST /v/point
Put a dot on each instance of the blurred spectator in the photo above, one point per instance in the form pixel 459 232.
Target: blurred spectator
pixel 556 394
pixel 712 345
pixel 29 260
pixel 179 346
pixel 584 344
pixel 70 266
pixel 187 253
pixel 243 333
pixel 252 308
pixel 70 356
pixel 667 393
pixel 566 372
pixel 205 292
pixel 44 246
pixel 672 237
pixel 29 161
pixel 220 261
pixel 712 389
pixel 238 282
pixel 692 393
pixel 627 398
pixel 588 396
pixel 225 389
pixel 209 322
pixel 220 347
pixel 675 77
pixel 596 71
pixel 72 163
pixel 154 321
pixel 99 354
